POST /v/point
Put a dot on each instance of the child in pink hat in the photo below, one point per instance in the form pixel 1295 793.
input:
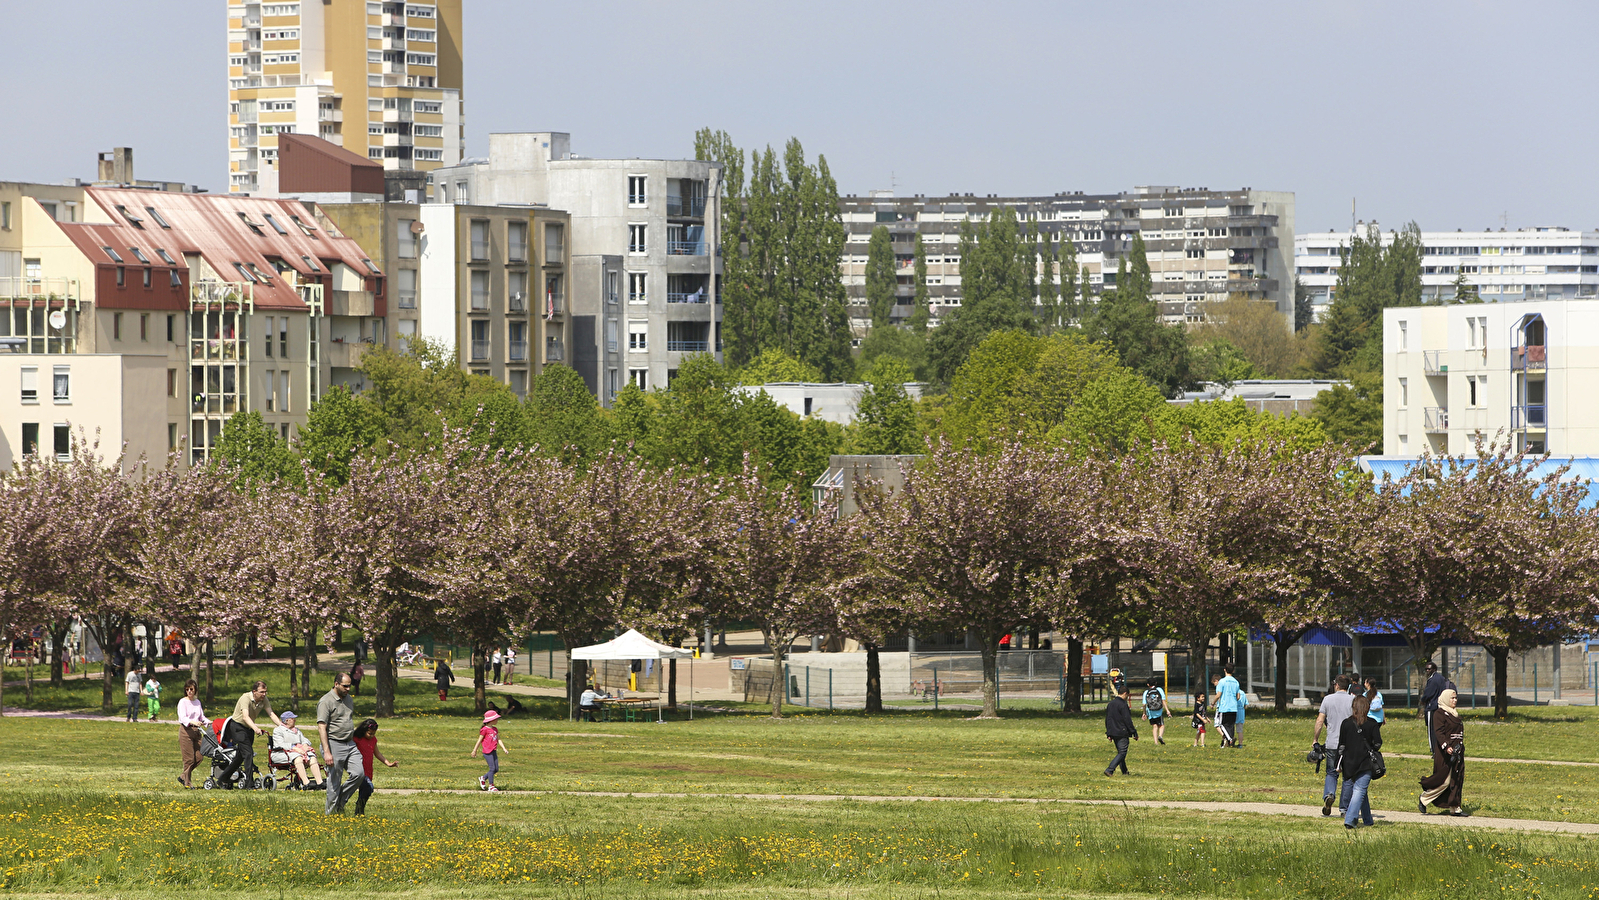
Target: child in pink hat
pixel 488 738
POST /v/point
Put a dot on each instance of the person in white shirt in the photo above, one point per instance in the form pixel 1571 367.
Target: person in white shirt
pixel 191 719
pixel 497 660
pixel 589 703
pixel 134 685
pixel 290 747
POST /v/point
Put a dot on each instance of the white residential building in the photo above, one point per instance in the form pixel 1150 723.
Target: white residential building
pixel 1504 266
pixel 1525 372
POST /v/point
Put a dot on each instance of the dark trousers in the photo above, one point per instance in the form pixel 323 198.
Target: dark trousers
pixel 133 707
pixel 1225 723
pixel 243 740
pixel 588 712
pixel 497 673
pixel 1121 756
pixel 1432 743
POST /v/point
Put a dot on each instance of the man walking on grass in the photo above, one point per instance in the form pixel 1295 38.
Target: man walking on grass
pixel 335 720
pixel 1335 708
pixel 1436 683
pixel 1119 728
pixel 1228 700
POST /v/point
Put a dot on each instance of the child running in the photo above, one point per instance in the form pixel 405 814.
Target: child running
pixel 1199 721
pixel 488 738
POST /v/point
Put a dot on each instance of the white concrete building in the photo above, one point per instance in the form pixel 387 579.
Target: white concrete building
pixel 1527 372
pixel 832 402
pixel 117 399
pixel 644 238
pixel 1504 266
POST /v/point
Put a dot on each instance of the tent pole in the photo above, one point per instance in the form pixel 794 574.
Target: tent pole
pixel 691 689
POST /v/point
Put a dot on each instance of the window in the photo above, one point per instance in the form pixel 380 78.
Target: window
pixel 405 285
pixel 283 392
pixel 310 263
pixel 30 384
pixel 115 257
pixel 635 239
pixel 271 392
pixel 116 326
pixel 280 59
pixel 1404 393
pixel 174 278
pixel 283 337
pixel 426 154
pixel 63 442
pixel 428 130
pixel 554 243
pixel 418 12
pixel 421 59
pixel 516 289
pixel 516 241
pixel 613 281
pixel 171 328
pixel 172 382
pixel 635 191
pixel 480 291
pixel 639 377
pixel 480 239
pixel 610 335
pixel 147 279
pixel 5 214
pixel 277 105
pixel 405 236
pixel 144 326
pixel 134 220
pixel 426 106
pixel 165 257
pixel 281 34
pixel 636 284
pixel 61 384
pixel 421 34
pixel 271 326
pixel 480 339
pixel 30 438
pixel 518 341
pixel 274 223
pixel 638 336
pixel 280 9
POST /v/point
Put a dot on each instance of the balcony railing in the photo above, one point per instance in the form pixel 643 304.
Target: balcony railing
pixel 407 299
pixel 687 346
pixel 1432 361
pixel 1531 417
pixel 691 207
pixel 1533 358
pixel 480 249
pixel 517 302
pixel 685 248
pixel 1436 419
pixel 480 350
pixel 698 296
pixel 553 351
pixel 518 351
pixel 554 303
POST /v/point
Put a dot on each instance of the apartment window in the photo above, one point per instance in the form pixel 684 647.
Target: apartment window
pixel 638 336
pixel 424 153
pixel 121 277
pixel 174 279
pixel 147 279
pixel 406 238
pixel 283 392
pixel 460 192
pixel 554 243
pixel 480 339
pixel 516 288
pixel 480 291
pixel 407 328
pixel 552 294
pixel 271 391
pixel 635 190
pixel 518 341
pixel 635 239
pixel 639 377
pixel 172 436
pixel 5 214
pixel 637 285
pixel 271 327
pixel 613 285
pixel 283 336
pixel 171 328
pixel 405 287
pixel 280 9
pixel 610 336
pixel 63 442
pixel 516 241
pixel 1404 393
pixel 172 382
pixel 424 106
pixel 1404 337
pixel 144 326
pixel 480 239
pixel 1476 390
pixel 61 384
pixel 30 438
pixel 30 384
pixel 421 34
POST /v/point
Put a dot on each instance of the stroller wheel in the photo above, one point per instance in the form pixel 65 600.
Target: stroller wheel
pixel 210 784
pixel 269 783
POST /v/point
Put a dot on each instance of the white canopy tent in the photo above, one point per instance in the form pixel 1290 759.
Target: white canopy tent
pixel 633 645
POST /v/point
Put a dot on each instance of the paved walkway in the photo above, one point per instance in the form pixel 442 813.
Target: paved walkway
pixel 1267 809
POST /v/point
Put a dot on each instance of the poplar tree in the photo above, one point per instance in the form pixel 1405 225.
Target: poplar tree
pixel 920 314
pixel 880 276
pixel 1070 307
pixel 1049 306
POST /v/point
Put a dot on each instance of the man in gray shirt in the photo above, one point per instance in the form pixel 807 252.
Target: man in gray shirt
pixel 1335 708
pixel 335 721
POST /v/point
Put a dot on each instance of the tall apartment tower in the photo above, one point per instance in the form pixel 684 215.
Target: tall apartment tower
pixel 329 67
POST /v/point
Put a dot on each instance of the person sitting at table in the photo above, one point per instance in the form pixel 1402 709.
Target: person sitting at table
pixel 589 703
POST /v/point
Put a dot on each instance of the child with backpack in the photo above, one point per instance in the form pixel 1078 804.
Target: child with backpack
pixel 1199 721
pixel 488 738
pixel 1155 710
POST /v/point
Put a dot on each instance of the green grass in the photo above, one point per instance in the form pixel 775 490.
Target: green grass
pixel 86 800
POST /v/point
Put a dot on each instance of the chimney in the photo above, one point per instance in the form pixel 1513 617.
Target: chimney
pixel 116 167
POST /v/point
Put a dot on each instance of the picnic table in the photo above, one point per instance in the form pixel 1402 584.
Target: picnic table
pixel 628 708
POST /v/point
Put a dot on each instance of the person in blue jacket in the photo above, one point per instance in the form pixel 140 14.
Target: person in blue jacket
pixel 1228 700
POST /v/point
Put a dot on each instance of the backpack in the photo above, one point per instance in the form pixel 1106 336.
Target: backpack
pixel 1152 701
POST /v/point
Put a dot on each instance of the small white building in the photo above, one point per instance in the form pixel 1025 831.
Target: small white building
pixel 115 398
pixel 830 402
pixel 1527 372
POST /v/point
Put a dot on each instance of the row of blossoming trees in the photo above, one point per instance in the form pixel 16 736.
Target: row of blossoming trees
pixel 1186 541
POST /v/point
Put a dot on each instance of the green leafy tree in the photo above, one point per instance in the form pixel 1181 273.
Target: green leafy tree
pixel 413 391
pixel 1129 320
pixel 1352 413
pixel 1371 278
pixel 1072 290
pixel 906 345
pixel 1218 361
pixel 1048 294
pixel 1464 291
pixel 773 365
pixel 996 291
pixel 1256 330
pixel 338 426
pixel 564 419
pixel 885 417
pixel 1115 414
pixel 1017 385
pixel 881 277
pixel 1304 310
pixel 923 301
pixel 254 452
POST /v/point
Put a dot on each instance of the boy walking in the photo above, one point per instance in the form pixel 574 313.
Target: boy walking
pixel 1119 729
pixel 488 739
pixel 1227 702
pixel 1155 710
pixel 134 686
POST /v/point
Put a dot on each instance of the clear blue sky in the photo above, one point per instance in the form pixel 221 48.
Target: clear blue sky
pixel 1449 113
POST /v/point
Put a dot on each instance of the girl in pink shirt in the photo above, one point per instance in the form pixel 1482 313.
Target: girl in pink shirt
pixel 488 738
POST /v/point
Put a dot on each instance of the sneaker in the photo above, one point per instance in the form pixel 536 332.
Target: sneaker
pixel 1326 805
pixel 1109 772
pixel 1161 741
pixel 493 789
pixel 483 782
pixel 1349 826
pixel 1421 807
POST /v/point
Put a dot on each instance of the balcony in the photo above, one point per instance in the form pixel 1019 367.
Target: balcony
pixel 249 118
pixel 1435 420
pixel 554 303
pixel 698 296
pixel 352 303
pixel 397 115
pixel 1530 417
pixel 553 352
pixel 517 302
pixel 518 351
pixel 346 354
pixel 480 351
pixel 1433 362
pixel 691 207
pixel 685 248
pixel 1529 359
pixel 396 140
pixel 687 346
pixel 330 115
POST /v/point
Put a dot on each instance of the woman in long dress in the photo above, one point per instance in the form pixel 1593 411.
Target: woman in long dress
pixel 1443 787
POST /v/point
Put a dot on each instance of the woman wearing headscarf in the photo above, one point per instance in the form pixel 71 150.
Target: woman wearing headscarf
pixel 444 678
pixel 1442 788
pixel 1358 738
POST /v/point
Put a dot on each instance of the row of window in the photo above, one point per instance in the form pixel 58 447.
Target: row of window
pixel 60 384
pixel 61 443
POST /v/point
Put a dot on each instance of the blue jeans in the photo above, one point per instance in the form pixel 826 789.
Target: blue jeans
pixel 1359 800
pixel 1330 787
pixel 1120 758
pixel 493 760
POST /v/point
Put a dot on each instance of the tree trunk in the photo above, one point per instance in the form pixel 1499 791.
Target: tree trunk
pixel 779 679
pixel 383 645
pixel 1224 648
pixel 1198 649
pixel 1501 657
pixel 990 650
pixel 151 647
pixel 294 668
pixel 1074 676
pixel 58 642
pixel 874 680
pixel 310 663
pixel 28 673
pixel 1280 685
pixel 577 676
pixel 2 672
pixel 480 695
pixel 210 670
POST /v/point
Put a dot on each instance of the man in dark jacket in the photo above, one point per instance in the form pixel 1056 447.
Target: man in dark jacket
pixel 1435 685
pixel 1119 728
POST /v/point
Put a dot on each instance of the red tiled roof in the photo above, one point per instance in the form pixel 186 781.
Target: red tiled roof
pixel 210 225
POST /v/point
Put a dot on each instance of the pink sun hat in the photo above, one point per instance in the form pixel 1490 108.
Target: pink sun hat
pixel 490 717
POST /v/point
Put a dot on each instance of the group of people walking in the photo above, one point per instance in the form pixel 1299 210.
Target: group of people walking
pixel 1351 717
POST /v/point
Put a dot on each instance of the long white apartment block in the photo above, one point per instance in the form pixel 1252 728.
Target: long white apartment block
pixel 1525 372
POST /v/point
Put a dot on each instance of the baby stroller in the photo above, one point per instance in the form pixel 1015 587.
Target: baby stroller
pixel 222 756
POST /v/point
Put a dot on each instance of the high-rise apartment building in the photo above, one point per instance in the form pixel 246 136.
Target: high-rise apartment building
pixel 382 79
pixel 1202 245
pixel 1545 263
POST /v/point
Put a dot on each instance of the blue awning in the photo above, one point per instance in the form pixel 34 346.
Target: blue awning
pixel 1579 468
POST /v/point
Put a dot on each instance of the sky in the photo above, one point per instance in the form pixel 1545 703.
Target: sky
pixel 1459 114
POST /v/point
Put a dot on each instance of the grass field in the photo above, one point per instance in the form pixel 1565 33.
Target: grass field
pixel 92 808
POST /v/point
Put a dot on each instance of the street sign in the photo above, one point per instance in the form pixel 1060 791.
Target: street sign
pixel 736 663
pixel 1159 658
